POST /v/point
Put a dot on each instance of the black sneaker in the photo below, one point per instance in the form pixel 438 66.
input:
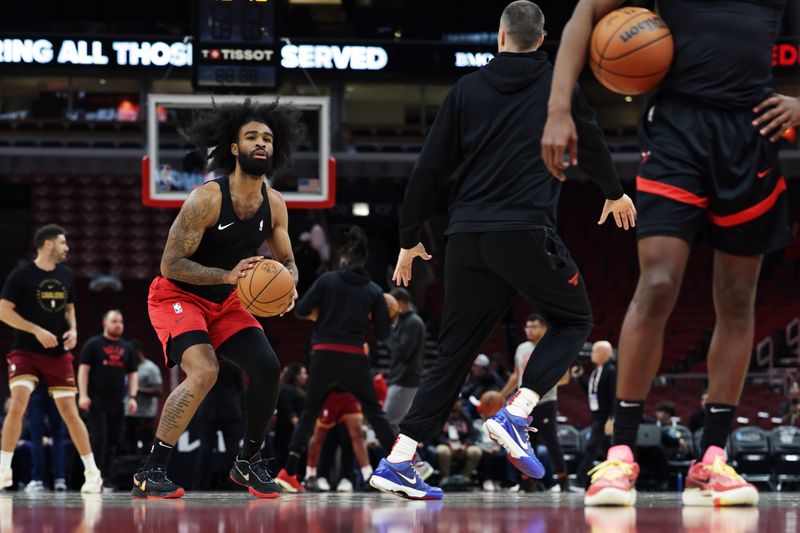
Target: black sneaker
pixel 151 482
pixel 253 474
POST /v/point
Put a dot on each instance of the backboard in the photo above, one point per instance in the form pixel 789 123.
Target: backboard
pixel 171 169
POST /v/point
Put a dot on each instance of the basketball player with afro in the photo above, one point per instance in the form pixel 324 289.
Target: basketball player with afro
pixel 482 154
pixel 193 304
pixel 710 166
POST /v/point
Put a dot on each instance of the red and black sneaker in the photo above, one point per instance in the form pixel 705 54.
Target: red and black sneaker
pixel 289 483
pixel 151 482
pixel 253 474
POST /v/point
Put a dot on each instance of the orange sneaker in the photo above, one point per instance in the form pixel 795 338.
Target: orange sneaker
pixel 713 482
pixel 614 480
pixel 289 483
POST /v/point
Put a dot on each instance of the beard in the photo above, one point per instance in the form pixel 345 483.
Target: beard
pixel 254 167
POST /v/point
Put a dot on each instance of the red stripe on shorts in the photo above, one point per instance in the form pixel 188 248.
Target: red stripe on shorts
pixel 753 212
pixel 670 191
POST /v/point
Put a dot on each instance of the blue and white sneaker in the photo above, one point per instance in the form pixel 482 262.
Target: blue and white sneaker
pixel 511 432
pixel 401 479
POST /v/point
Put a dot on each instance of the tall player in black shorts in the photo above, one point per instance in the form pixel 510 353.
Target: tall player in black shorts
pixel 710 166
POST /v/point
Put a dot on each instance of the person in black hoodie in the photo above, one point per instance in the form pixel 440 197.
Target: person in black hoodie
pixel 483 155
pixel 407 346
pixel 345 299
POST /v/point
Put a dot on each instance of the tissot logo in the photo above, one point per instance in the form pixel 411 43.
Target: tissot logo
pixel 237 54
pixel 334 57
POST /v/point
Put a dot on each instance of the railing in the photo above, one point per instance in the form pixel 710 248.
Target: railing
pixel 778 379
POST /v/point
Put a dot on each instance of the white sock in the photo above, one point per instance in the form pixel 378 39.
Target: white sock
pixel 88 462
pixel 403 450
pixel 311 471
pixel 366 472
pixel 523 403
pixel 5 459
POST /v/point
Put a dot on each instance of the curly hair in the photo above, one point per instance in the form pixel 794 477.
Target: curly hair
pixel 354 251
pixel 218 128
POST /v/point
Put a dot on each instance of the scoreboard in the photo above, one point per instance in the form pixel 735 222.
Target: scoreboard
pixel 235 45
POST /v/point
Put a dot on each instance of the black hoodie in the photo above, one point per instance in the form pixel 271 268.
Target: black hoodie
pixel 345 299
pixel 484 152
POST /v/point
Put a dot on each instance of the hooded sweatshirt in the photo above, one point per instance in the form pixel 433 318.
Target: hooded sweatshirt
pixel 483 153
pixel 345 299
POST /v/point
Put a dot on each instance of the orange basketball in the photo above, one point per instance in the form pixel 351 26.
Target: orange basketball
pixel 491 402
pixel 630 50
pixel 267 289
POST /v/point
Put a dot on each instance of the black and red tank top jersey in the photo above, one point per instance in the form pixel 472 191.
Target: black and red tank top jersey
pixel 723 50
pixel 228 241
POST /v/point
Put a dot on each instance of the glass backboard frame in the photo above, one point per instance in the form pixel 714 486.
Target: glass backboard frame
pixel 325 198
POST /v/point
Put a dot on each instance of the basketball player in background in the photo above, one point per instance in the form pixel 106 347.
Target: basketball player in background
pixel 710 165
pixel 38 302
pixel 193 304
pixel 482 153
pixel 346 298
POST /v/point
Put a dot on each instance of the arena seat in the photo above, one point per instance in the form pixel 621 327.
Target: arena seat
pixel 750 453
pixel 785 454
pixel 572 445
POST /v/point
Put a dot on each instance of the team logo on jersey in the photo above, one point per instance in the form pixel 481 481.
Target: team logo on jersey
pixel 261 226
pixel 177 308
pixel 51 294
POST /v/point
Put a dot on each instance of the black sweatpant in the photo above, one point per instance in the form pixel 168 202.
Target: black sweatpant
pixel 105 425
pixel 328 370
pixel 483 274
pixel 544 419
pixel 597 441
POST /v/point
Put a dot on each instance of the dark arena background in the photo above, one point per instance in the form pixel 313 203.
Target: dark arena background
pixel 94 101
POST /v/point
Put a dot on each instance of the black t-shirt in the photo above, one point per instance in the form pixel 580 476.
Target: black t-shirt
pixel 723 50
pixel 40 296
pixel 111 361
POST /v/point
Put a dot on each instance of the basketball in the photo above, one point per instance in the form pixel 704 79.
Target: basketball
pixel 266 289
pixel 630 50
pixel 491 402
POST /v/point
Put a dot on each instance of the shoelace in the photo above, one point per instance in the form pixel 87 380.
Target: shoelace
pixel 156 473
pixel 607 469
pixel 720 467
pixel 260 470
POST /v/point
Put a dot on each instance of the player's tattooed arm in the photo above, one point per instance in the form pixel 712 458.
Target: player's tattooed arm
pixel 278 241
pixel 291 266
pixel 198 213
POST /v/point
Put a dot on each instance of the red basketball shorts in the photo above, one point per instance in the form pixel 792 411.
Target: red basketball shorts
pixel 174 312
